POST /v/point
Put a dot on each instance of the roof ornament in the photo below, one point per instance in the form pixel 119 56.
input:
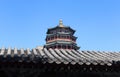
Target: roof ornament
pixel 61 23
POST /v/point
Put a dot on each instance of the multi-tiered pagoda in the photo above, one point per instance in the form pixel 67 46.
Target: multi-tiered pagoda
pixel 61 37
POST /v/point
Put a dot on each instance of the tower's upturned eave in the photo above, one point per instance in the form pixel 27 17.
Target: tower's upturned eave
pixel 57 27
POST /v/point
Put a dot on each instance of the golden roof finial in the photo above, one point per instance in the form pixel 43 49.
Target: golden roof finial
pixel 61 23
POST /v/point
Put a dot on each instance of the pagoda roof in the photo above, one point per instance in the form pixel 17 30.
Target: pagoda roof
pixel 61 42
pixel 59 56
pixel 60 26
pixel 63 33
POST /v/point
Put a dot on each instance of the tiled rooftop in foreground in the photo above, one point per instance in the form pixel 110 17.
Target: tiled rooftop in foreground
pixel 59 56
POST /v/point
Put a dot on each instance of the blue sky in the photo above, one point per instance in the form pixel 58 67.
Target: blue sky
pixel 23 23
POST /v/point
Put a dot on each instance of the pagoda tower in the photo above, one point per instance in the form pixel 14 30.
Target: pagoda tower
pixel 61 37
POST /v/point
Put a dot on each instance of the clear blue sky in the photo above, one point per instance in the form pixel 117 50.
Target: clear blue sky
pixel 23 23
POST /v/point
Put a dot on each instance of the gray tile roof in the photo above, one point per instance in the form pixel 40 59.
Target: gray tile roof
pixel 59 56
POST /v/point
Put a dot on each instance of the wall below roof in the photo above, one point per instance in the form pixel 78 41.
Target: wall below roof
pixel 53 70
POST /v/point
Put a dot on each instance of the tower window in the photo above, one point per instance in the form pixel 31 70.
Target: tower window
pixel 63 46
pixel 68 47
pixel 48 39
pixel 59 36
pixel 67 37
pixel 59 46
pixel 55 37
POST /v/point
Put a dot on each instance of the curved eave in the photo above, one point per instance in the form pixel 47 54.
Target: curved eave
pixel 61 34
pixel 65 27
pixel 60 42
pixel 60 56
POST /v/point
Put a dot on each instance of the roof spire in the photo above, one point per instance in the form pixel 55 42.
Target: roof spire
pixel 61 23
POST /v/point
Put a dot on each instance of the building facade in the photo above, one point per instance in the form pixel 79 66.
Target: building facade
pixel 59 57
